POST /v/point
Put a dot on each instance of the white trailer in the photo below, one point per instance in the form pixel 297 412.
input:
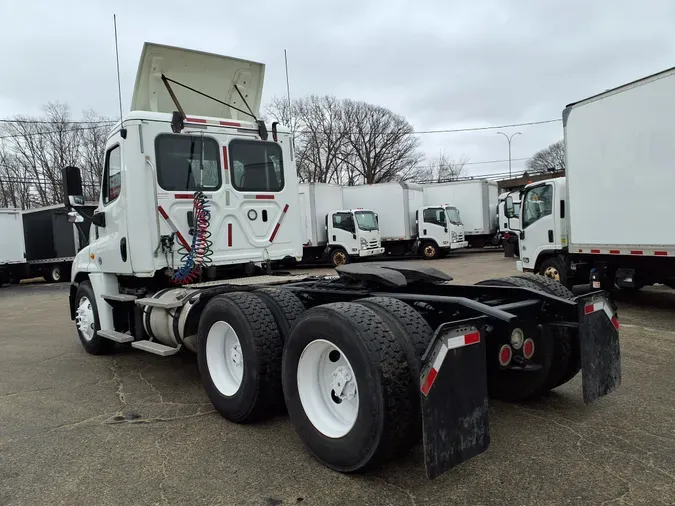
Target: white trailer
pixel 609 218
pixel 333 232
pixel 367 363
pixel 12 245
pixel 476 200
pixel 406 224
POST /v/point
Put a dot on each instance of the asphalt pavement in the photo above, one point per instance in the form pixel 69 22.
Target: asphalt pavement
pixel 134 428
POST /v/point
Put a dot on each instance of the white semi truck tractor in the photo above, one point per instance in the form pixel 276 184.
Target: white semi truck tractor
pixel 367 363
pixel 607 222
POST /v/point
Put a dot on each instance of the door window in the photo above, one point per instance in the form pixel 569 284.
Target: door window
pixel 435 215
pixel 112 175
pixel 538 203
pixel 344 221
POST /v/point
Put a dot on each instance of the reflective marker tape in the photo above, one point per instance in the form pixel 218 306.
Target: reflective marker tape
pixel 602 306
pixel 276 227
pixel 173 228
pixel 441 351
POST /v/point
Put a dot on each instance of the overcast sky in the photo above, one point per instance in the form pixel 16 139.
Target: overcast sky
pixel 441 64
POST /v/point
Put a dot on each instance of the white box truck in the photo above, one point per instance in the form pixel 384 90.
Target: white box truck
pixel 12 245
pixel 476 200
pixel 333 232
pixel 406 224
pixel 608 220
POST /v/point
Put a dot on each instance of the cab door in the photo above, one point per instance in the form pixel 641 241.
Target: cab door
pixel 537 218
pixel 435 226
pixel 341 231
pixel 111 250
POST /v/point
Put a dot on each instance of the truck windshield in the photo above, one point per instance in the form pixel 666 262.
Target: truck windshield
pixel 453 215
pixel 366 220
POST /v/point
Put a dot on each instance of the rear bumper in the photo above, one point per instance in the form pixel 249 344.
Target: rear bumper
pixel 371 252
pixel 459 245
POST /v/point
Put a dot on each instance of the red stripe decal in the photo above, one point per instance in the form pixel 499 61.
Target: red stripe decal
pixel 589 308
pixel 636 252
pixel 264 197
pixel 183 196
pixel 225 162
pixel 661 253
pixel 472 338
pixel 429 381
pixel 274 234
pixel 285 208
pixel 615 322
pixel 182 240
pixel 614 252
pixel 229 235
pixel 595 251
pixel 581 251
pixel 195 120
pixel 230 123
pixel 163 212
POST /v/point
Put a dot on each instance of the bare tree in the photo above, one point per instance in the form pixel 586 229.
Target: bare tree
pixel 34 150
pixel 441 169
pixel 548 159
pixel 381 144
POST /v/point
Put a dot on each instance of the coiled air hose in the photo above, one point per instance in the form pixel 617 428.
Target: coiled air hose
pixel 200 252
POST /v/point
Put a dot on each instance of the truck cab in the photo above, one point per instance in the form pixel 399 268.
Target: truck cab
pixel 440 230
pixel 353 233
pixel 190 186
pixel 506 233
pixel 542 226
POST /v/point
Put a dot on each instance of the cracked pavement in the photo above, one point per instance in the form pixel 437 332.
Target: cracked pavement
pixel 136 428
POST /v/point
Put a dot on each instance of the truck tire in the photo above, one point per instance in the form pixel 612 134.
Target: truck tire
pixel 86 321
pixel 510 385
pixel 338 256
pixel 285 306
pixel 554 269
pixel 239 357
pixel 54 274
pixel 555 288
pixel 429 250
pixel 346 346
pixel 413 334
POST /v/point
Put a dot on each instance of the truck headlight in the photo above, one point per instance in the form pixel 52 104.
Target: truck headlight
pixel 453 235
pixel 364 243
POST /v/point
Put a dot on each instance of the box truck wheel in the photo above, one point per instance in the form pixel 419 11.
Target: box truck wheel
pixel 339 256
pixel 346 384
pixel 553 268
pixel 54 274
pixel 86 321
pixel 239 357
pixel 413 334
pixel 429 250
pixel 285 306
pixel 515 385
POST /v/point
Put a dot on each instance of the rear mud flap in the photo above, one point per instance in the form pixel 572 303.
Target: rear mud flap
pixel 599 346
pixel 453 386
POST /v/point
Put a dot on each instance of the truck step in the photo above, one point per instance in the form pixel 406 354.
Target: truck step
pixel 156 348
pixel 119 297
pixel 164 304
pixel 113 335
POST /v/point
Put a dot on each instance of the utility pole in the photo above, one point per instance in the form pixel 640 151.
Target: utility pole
pixel 508 138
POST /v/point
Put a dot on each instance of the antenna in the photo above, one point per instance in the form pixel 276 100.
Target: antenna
pixel 123 131
pixel 288 87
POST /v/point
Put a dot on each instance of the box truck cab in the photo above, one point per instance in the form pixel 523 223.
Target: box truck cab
pixel 439 227
pixel 190 186
pixel 332 232
pixel 506 233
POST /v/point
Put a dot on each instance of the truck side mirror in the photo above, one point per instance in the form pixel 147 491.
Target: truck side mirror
pixel 72 187
pixel 510 213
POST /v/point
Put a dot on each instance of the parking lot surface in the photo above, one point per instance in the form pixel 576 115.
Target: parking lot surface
pixel 135 428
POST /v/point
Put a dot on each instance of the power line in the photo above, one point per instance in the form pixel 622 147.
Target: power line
pixel 48 122
pixel 475 129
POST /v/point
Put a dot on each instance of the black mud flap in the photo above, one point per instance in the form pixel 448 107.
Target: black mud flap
pixel 599 345
pixel 453 386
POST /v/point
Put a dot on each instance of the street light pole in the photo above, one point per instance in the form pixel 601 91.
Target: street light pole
pixel 508 138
